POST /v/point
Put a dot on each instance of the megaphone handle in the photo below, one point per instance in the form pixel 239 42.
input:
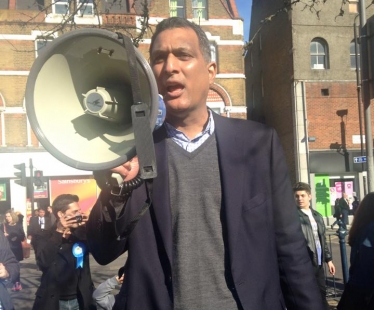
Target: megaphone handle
pixel 144 141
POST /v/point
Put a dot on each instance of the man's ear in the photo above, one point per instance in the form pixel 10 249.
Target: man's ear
pixel 60 214
pixel 212 69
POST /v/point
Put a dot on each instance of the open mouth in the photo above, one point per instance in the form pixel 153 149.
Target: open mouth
pixel 174 88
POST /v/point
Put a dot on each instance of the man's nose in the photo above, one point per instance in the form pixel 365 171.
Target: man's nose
pixel 171 63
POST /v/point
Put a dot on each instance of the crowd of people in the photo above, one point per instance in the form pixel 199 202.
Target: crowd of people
pixel 220 227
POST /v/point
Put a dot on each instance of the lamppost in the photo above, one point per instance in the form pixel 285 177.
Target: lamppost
pixel 359 99
pixel 365 86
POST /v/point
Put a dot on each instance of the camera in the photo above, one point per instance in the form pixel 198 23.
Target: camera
pixel 79 218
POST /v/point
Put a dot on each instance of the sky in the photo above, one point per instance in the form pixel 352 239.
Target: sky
pixel 244 8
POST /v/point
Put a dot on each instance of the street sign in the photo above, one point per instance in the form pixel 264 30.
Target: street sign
pixel 359 159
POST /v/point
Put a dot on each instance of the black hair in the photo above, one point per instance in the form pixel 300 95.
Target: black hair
pixel 62 202
pixel 301 186
pixel 178 22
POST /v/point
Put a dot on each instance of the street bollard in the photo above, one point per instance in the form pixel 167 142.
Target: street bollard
pixel 342 232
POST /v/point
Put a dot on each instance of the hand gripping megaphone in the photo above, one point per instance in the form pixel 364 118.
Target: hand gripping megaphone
pixel 92 101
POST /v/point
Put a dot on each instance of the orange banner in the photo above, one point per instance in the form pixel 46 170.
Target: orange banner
pixel 85 189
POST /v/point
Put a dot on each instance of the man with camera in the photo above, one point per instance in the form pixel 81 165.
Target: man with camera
pixel 63 258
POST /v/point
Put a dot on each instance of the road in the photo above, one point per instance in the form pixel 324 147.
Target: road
pixel 30 279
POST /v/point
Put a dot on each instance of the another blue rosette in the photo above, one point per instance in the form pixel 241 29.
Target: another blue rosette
pixel 161 112
pixel 78 251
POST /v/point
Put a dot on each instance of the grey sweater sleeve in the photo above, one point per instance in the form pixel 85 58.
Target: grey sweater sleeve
pixel 102 295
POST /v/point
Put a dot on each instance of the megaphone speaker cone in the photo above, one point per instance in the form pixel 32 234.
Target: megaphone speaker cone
pixel 79 98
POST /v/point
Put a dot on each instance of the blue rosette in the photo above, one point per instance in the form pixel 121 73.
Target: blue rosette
pixel 161 112
pixel 79 249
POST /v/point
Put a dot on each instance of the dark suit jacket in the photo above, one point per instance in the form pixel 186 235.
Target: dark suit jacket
pixel 34 230
pixel 343 204
pixel 34 227
pixel 269 263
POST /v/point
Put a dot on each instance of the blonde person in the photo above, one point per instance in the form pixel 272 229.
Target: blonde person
pixel 13 231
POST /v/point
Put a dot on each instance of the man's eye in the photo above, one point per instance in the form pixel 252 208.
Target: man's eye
pixel 184 56
pixel 157 60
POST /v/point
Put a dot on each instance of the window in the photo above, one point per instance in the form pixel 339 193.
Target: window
pixel 199 9
pixel 352 52
pixel 61 7
pixel 177 8
pixel 116 6
pixel 85 7
pixel 41 43
pixel 4 5
pixel 353 6
pixel 34 5
pixel 318 54
pixel 213 51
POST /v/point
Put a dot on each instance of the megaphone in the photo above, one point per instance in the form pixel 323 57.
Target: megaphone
pixel 84 103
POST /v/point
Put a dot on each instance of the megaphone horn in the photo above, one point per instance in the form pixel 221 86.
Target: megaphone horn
pixel 84 103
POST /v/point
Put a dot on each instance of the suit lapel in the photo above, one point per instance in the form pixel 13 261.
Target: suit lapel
pixel 232 169
pixel 161 199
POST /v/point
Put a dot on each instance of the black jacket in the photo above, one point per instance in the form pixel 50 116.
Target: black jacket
pixel 8 259
pixel 58 265
pixel 343 204
pixel 306 227
pixel 265 245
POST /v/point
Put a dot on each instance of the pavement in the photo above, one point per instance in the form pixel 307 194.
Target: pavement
pixel 30 279
pixel 30 276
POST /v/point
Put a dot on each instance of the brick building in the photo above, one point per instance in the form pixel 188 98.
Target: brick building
pixel 26 26
pixel 301 80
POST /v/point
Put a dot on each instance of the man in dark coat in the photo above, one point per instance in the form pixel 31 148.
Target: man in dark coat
pixel 221 231
pixel 9 272
pixel 63 258
pixel 344 209
pixel 38 225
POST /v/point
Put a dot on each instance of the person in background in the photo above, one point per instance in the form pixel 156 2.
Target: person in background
pixel 344 209
pixel 221 231
pixel 63 258
pixel 314 231
pixel 337 213
pixel 38 226
pixel 9 272
pixel 13 231
pixel 355 204
pixel 359 291
pixel 51 215
pixel 20 217
pixel 103 293
pixel 36 213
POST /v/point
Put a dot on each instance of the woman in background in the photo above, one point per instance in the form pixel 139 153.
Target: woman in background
pixel 359 291
pixel 13 230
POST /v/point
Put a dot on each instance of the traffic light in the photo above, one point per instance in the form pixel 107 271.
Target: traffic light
pixel 21 175
pixel 38 178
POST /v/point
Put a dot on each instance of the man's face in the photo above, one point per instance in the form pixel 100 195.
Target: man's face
pixel 302 199
pixel 183 76
pixel 73 210
pixel 41 213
